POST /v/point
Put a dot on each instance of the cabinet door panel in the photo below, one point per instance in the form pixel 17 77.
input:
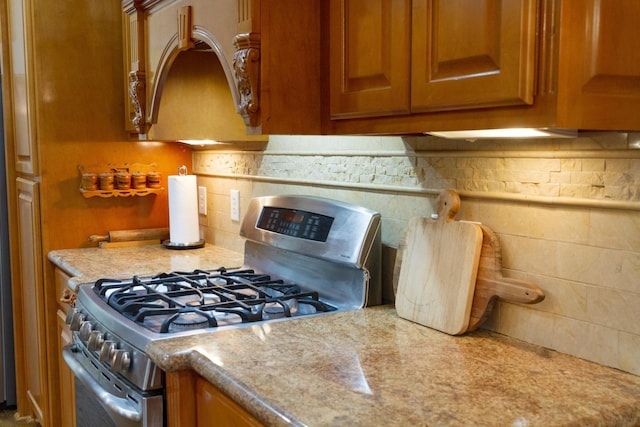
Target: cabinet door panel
pixel 472 53
pixel 212 404
pixel 600 64
pixel 19 12
pixel 31 355
pixel 369 57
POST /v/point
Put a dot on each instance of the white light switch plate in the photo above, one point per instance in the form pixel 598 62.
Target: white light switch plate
pixel 202 200
pixel 235 205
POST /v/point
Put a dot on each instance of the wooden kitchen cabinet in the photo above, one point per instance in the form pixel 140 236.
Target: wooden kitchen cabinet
pixel 468 64
pixel 60 104
pixel 194 401
pixel 398 57
pixel 267 57
pixel 67 381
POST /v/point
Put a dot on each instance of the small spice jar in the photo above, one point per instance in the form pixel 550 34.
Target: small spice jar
pixel 138 180
pixel 106 181
pixel 89 181
pixel 153 180
pixel 123 181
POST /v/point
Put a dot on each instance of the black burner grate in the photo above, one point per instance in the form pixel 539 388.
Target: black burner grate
pixel 172 302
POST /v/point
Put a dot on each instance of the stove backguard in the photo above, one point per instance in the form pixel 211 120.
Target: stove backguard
pixel 341 261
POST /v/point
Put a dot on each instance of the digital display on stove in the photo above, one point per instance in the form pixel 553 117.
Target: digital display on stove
pixel 295 223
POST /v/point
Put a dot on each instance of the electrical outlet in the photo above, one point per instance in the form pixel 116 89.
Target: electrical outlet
pixel 235 205
pixel 202 200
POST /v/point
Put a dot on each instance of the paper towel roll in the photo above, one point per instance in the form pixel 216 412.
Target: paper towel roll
pixel 183 210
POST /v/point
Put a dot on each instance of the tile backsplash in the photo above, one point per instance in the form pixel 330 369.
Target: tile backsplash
pixel 565 212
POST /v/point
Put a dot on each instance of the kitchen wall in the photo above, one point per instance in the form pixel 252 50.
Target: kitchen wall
pixel 565 212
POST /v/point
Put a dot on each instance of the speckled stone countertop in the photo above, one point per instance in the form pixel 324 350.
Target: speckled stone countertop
pixel 87 265
pixel 369 367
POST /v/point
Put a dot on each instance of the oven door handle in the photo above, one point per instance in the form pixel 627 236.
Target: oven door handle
pixel 111 403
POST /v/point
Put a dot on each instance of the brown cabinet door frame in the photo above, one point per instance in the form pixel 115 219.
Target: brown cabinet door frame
pixel 472 53
pixel 369 57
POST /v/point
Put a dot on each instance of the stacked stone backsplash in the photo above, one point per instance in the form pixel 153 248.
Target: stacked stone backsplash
pixel 566 212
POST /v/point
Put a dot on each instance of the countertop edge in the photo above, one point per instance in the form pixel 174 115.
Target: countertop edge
pixel 188 354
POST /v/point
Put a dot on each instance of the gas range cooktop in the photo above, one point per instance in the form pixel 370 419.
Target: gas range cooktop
pixel 183 301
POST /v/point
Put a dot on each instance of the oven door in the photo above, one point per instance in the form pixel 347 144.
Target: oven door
pixel 103 400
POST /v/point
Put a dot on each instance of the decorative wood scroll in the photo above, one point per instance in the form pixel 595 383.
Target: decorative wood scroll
pixel 135 65
pixel 246 65
pixel 137 95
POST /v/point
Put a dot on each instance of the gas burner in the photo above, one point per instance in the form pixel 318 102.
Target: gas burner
pixel 188 319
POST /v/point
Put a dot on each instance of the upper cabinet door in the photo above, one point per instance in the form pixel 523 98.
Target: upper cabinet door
pixel 369 57
pixel 22 93
pixel 599 71
pixel 472 53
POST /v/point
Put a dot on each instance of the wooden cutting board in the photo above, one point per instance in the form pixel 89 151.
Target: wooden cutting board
pixel 491 284
pixel 132 235
pixel 438 269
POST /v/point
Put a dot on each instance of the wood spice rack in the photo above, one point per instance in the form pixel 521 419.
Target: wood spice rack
pixel 115 168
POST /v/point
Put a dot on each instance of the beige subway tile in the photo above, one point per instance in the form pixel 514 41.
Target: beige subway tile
pixel 597 192
pixel 219 204
pixel 615 229
pixel 581 191
pixel 598 266
pixel 585 178
pixel 536 256
pixel 585 340
pixel 502 217
pixel 614 309
pixel 562 297
pixel 617 165
pixel 524 323
pixel 617 192
pixel 628 352
pixel 618 178
pixel 533 176
pixel 560 177
pixel 548 189
pixel 568 335
pixel 593 165
pixel 539 164
pixel 569 165
pixel 559 223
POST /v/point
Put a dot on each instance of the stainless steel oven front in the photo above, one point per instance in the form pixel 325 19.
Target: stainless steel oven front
pixel 105 399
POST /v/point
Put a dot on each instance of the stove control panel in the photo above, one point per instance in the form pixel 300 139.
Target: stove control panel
pixel 106 348
pixel 94 340
pixel 296 223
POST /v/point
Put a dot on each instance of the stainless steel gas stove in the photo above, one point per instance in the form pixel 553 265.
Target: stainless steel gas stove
pixel 304 256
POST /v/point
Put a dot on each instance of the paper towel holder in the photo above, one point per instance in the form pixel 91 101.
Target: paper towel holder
pixel 182 171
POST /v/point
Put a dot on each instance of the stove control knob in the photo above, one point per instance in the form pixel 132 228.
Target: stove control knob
pixel 70 315
pixel 107 350
pixel 76 320
pixel 95 341
pixel 120 361
pixel 85 330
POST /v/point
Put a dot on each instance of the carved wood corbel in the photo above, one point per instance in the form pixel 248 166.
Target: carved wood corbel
pixel 246 66
pixel 137 95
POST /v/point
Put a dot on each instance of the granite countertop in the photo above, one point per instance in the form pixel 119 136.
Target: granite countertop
pixel 87 265
pixel 370 367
